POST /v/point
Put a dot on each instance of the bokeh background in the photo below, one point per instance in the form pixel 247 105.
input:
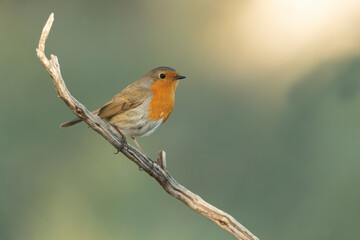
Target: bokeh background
pixel 266 125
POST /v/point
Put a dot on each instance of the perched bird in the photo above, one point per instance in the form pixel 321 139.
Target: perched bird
pixel 141 107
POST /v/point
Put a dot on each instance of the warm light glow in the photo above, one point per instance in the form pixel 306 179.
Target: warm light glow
pixel 306 15
pixel 266 36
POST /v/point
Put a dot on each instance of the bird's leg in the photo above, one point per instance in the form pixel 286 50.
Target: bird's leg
pixel 123 138
pixel 138 146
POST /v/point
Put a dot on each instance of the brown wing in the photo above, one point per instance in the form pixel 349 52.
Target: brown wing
pixel 131 97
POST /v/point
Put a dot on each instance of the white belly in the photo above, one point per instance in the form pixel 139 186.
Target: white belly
pixel 151 127
pixel 135 122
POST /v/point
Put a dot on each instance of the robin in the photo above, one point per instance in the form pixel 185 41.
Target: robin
pixel 141 107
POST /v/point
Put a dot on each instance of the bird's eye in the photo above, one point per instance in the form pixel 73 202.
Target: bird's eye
pixel 162 76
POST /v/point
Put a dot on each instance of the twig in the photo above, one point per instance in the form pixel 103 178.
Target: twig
pixel 157 169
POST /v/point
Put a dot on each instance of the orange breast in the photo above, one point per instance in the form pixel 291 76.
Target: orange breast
pixel 163 100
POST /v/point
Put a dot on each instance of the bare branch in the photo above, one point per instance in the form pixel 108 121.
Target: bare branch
pixel 157 169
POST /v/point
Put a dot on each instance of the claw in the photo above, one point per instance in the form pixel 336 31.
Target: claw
pixel 122 136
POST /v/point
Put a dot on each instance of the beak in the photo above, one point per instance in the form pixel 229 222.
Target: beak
pixel 178 77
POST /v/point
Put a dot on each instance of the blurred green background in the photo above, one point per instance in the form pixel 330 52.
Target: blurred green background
pixel 266 125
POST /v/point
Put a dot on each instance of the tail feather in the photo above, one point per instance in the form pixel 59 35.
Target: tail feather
pixel 76 120
pixel 70 123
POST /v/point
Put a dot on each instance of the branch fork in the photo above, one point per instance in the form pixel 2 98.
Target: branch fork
pixel 157 170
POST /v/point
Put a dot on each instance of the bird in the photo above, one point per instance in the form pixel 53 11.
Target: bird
pixel 140 108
